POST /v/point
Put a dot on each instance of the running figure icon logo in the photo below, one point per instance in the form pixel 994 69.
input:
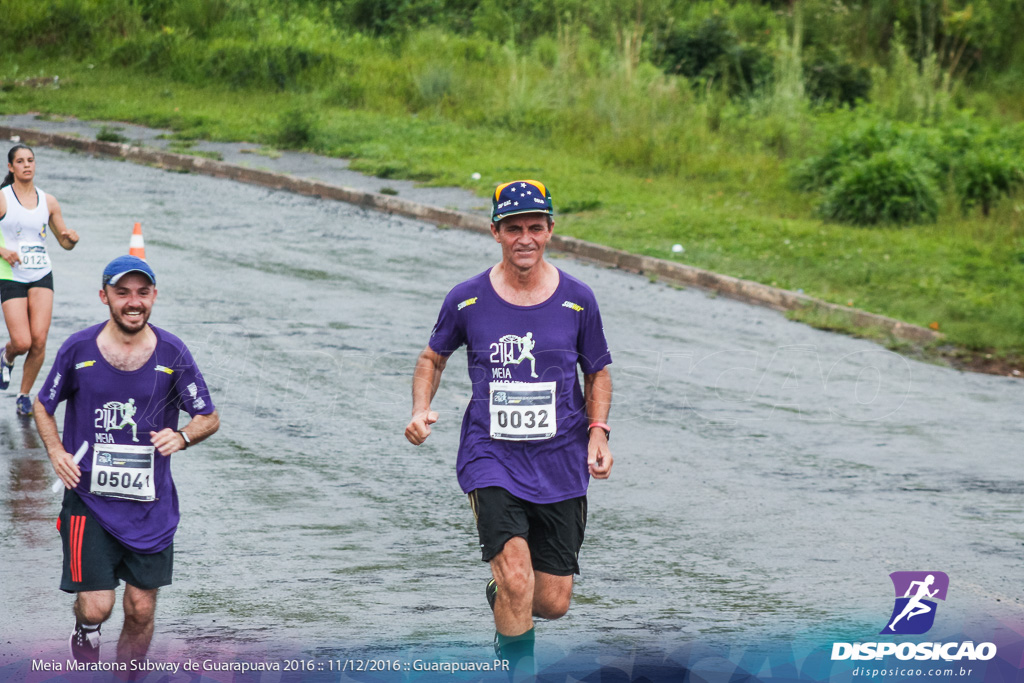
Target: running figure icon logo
pixel 916 595
pixel 512 349
pixel 117 415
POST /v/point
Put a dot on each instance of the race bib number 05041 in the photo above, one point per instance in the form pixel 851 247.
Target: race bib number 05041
pixel 123 472
pixel 522 411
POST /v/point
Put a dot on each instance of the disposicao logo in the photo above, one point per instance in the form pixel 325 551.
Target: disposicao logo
pixel 914 614
pixel 916 593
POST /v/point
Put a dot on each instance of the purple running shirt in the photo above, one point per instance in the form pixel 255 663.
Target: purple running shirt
pixel 113 409
pixel 525 429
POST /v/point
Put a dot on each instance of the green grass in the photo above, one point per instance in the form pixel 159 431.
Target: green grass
pixel 726 199
pixel 186 147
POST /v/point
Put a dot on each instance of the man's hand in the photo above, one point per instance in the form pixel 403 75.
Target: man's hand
pixel 599 456
pixel 167 441
pixel 65 467
pixel 419 427
pixel 62 461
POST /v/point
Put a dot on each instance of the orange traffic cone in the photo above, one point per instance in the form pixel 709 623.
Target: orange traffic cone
pixel 136 247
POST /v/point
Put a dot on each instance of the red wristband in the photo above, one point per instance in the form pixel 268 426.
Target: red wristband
pixel 602 425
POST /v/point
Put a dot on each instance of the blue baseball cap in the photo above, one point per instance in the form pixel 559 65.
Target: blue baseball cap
pixel 520 196
pixel 123 265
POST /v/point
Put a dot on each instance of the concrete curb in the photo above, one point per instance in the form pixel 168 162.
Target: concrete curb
pixel 669 271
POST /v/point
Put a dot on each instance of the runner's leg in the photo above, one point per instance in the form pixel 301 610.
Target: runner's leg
pixel 92 608
pixel 16 317
pixel 139 617
pixel 513 606
pixel 551 595
pixel 920 609
pixel 906 610
pixel 40 312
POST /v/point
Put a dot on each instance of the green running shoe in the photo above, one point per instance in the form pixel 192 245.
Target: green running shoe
pixel 492 593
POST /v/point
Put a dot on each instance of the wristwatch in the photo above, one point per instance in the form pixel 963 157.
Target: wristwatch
pixel 184 436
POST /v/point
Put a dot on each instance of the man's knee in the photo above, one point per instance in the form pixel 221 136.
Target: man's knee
pixel 515 581
pixel 513 570
pixel 139 607
pixel 94 607
pixel 552 606
pixel 554 593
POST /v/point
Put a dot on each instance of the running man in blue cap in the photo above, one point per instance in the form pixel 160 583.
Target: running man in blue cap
pixel 120 507
pixel 532 437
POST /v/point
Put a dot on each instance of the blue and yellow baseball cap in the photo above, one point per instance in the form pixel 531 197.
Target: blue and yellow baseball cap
pixel 520 196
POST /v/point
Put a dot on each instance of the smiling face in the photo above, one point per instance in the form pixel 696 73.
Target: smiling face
pixel 22 164
pixel 523 238
pixel 130 302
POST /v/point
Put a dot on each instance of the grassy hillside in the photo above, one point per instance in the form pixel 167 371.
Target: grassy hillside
pixel 865 156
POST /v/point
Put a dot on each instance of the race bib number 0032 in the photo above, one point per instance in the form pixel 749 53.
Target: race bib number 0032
pixel 522 411
pixel 123 472
pixel 33 256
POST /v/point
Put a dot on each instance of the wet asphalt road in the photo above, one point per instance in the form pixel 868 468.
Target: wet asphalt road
pixel 768 476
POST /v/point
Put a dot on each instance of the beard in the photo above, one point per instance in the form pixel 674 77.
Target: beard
pixel 129 327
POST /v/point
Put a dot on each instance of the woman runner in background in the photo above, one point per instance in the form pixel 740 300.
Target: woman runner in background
pixel 26 280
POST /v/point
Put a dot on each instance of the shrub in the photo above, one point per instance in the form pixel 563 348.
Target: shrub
pixel 895 186
pixel 296 129
pixel 347 92
pixel 983 176
pixel 277 66
pixel 830 79
pixel 859 144
pixel 710 52
pixel 697 51
pixel 60 26
pixel 109 134
pixel 434 84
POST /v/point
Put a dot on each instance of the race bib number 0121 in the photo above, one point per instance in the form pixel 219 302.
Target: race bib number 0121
pixel 123 472
pixel 522 411
pixel 33 256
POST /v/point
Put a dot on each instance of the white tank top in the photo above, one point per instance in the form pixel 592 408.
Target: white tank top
pixel 24 231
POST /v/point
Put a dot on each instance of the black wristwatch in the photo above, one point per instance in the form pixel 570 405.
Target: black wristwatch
pixel 184 437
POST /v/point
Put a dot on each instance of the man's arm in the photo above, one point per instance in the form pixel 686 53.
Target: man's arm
pixel 425 380
pixel 168 441
pixel 597 392
pixel 62 461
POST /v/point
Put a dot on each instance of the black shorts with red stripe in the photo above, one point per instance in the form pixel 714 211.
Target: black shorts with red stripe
pixel 94 560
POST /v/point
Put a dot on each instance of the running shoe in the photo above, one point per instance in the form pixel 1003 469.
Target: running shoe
pixel 24 404
pixel 85 645
pixel 491 592
pixel 5 370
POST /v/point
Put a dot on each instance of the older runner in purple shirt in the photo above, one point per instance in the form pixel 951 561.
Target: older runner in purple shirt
pixel 125 383
pixel 531 437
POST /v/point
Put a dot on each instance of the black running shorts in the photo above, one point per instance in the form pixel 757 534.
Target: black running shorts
pixel 553 531
pixel 95 561
pixel 9 289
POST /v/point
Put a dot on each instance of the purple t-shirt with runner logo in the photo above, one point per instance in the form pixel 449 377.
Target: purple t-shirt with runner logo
pixel 525 429
pixel 113 409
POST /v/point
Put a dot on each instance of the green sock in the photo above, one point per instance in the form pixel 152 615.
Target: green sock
pixel 518 650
